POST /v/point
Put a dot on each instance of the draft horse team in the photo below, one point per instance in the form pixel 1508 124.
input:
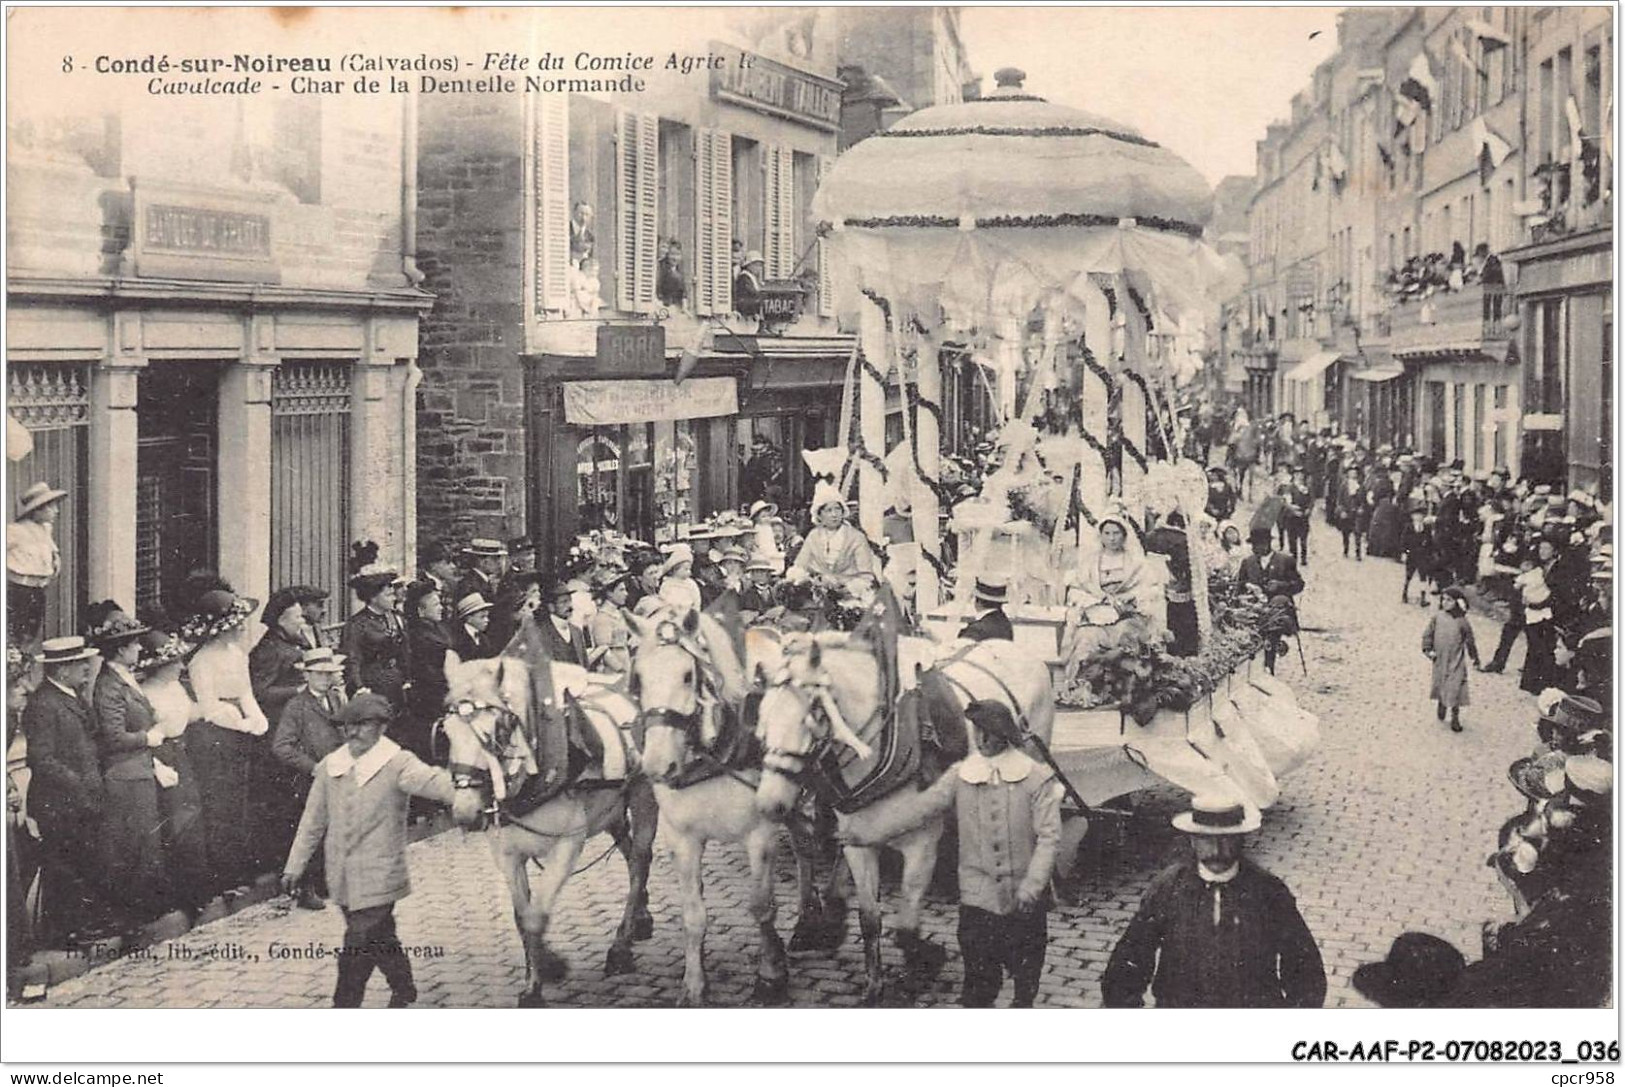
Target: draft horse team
pixel 723 734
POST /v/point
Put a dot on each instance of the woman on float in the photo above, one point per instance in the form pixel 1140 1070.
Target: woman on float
pixel 834 549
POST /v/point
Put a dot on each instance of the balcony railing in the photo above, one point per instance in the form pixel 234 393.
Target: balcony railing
pixel 1463 320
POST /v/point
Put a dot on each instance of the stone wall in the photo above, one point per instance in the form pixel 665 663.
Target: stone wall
pixel 471 448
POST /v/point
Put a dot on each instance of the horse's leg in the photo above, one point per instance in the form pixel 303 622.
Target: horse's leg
pixel 634 837
pixel 865 865
pixel 688 851
pixel 810 914
pixel 772 970
pixel 922 958
pixel 512 862
pixel 557 867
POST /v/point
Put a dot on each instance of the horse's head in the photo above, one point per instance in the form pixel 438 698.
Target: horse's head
pixel 683 666
pixel 485 700
pixel 817 690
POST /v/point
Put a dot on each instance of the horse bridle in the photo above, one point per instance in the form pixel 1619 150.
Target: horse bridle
pixel 466 775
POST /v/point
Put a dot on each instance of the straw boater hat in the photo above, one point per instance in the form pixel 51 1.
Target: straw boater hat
pixel 219 611
pixel 471 605
pixel 1217 816
pixel 486 549
pixel 731 553
pixel 321 659
pixel 991 589
pixel 159 649
pixel 65 650
pixel 36 496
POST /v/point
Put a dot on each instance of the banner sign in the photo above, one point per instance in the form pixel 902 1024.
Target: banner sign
pixel 770 87
pixel 611 403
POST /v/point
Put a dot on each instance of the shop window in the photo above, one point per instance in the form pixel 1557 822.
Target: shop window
pixel 674 277
pixel 1436 421
pixel 52 401
pixel 1503 429
pixel 636 479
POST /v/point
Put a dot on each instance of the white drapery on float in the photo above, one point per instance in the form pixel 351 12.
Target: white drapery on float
pixel 1062 250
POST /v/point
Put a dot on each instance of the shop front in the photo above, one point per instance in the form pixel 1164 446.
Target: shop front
pixel 643 455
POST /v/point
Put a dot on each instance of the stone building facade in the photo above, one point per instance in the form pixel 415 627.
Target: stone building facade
pixel 211 337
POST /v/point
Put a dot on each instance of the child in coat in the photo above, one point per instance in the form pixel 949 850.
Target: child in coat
pixel 1009 815
pixel 1448 643
pixel 358 803
pixel 1416 548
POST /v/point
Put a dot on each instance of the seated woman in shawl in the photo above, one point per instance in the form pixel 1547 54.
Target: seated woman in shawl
pixel 834 550
pixel 1117 574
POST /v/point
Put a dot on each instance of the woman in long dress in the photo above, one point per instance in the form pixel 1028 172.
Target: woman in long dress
pixel 1112 584
pixel 180 803
pixel 609 632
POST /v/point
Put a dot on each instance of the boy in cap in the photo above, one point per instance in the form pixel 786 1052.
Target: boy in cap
pixel 357 811
pixel 1009 817
pixel 306 734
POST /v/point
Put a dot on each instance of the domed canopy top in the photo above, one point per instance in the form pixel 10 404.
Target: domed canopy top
pixel 1013 159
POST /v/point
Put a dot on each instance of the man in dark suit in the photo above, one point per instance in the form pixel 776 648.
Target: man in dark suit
pixel 471 640
pixel 66 798
pixel 564 640
pixel 1216 930
pixel 1277 575
pixel 1295 517
pixel 487 561
pixel 992 623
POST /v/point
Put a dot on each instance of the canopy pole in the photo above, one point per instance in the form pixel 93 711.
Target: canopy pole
pixel 928 443
pixel 872 420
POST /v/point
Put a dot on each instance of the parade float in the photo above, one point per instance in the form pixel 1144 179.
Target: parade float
pixel 1060 253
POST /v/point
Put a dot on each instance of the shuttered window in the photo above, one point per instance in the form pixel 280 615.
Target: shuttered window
pixel 310 470
pixel 826 266
pixel 713 200
pixel 550 157
pixel 52 400
pixel 637 183
pixel 778 166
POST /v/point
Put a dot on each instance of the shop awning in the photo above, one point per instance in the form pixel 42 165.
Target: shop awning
pixel 1384 374
pixel 1313 366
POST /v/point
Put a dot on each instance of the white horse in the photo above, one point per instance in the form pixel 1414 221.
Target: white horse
pixel 489 701
pixel 826 692
pixel 691 686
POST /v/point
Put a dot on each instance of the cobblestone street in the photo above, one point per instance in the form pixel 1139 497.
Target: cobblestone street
pixel 1385 829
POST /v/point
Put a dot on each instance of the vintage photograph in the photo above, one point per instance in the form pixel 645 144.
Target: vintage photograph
pixel 812 507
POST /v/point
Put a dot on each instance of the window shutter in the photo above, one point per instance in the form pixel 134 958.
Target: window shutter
pixel 628 151
pixel 826 266
pixel 648 210
pixel 551 163
pixel 781 197
pixel 713 199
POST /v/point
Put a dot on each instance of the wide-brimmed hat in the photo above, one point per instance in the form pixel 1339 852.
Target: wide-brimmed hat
pixel 114 631
pixel 321 659
pixel 219 611
pixel 365 708
pixel 762 506
pixel 764 562
pixel 159 649
pixel 66 650
pixel 994 718
pixel 1539 778
pixel 375 577
pixel 680 554
pixel 992 588
pixel 283 599
pixel 605 582
pixel 37 495
pixel 731 553
pixel 1590 778
pixel 472 605
pixel 1420 968
pixel 486 548
pixel 1573 712
pixel 1218 816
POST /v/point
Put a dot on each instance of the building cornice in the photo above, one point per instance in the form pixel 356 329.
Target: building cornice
pixel 173 292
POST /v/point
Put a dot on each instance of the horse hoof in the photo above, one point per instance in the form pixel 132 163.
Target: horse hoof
pixel 552 967
pixel 532 998
pixel 618 961
pixel 643 928
pixel 771 992
pixel 809 935
pixel 927 960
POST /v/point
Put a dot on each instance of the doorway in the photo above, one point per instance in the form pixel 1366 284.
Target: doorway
pixel 176 522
